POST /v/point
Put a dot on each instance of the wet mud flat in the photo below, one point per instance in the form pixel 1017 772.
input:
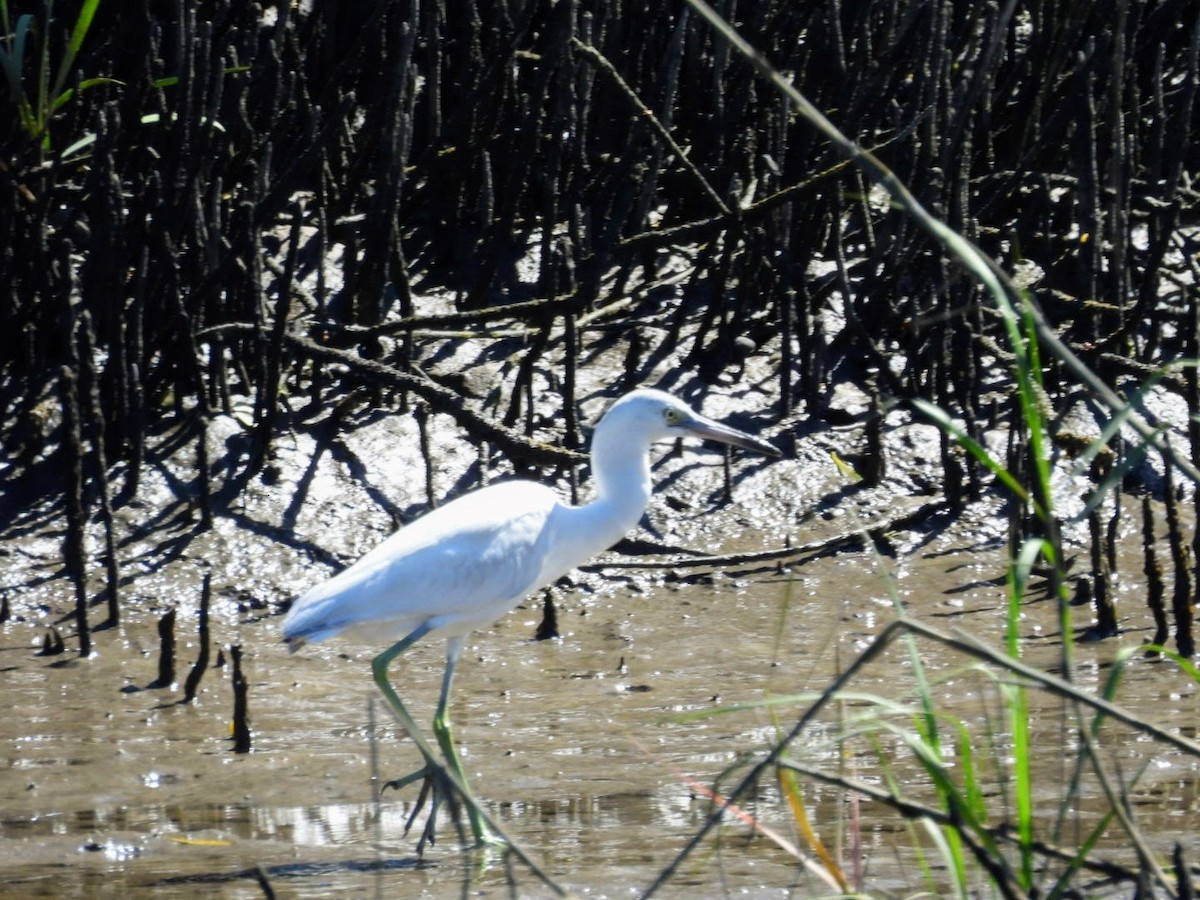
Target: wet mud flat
pixel 595 751
pixel 309 270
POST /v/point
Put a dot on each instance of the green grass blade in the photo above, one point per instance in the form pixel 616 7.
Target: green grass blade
pixel 65 97
pixel 942 420
pixel 951 851
pixel 38 111
pixel 14 59
pixel 1018 709
pixel 895 789
pixel 1186 665
pixel 973 793
pixel 1063 884
pixel 1019 573
pixel 76 148
pixel 83 24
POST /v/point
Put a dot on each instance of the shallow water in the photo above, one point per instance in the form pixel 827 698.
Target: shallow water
pixel 587 749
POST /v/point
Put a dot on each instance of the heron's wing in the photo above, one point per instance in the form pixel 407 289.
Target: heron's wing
pixel 459 567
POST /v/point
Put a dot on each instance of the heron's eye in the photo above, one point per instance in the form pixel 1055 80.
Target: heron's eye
pixel 673 416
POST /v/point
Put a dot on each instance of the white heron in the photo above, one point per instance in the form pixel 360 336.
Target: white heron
pixel 465 564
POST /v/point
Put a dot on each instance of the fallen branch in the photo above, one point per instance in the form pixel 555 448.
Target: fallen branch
pixel 443 400
pixel 778 555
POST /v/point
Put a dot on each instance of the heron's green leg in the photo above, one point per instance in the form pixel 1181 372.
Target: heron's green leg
pixel 432 769
pixel 432 774
pixel 379 667
pixel 445 738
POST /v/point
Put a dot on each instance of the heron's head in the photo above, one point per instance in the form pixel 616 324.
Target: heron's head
pixel 647 415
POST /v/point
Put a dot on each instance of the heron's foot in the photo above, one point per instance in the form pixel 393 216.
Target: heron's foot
pixel 437 787
pixel 399 783
pixel 434 785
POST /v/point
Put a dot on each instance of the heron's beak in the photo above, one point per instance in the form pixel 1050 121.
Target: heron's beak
pixel 712 430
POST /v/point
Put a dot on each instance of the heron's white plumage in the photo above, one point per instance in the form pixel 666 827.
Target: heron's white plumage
pixel 465 564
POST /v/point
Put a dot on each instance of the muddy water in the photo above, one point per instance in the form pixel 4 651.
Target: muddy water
pixel 586 749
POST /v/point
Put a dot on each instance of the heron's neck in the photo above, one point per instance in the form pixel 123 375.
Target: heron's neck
pixel 621 474
pixel 621 477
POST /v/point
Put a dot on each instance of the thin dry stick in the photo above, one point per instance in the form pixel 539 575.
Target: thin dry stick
pixel 610 70
pixel 1116 803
